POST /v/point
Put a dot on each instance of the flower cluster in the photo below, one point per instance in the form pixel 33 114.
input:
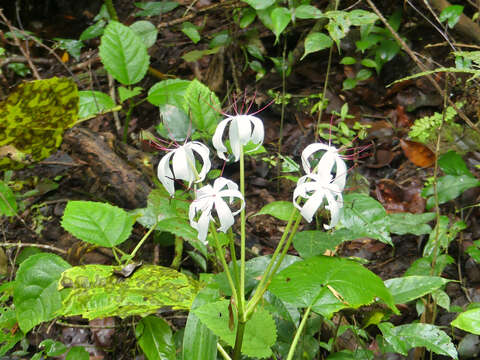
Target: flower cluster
pixel 323 182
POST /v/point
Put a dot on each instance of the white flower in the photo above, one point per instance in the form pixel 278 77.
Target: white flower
pixel 330 158
pixel 183 165
pixel 319 187
pixel 240 133
pixel 214 196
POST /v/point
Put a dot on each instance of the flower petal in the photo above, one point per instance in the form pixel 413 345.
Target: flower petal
pixel 224 214
pixel 204 153
pixel 165 175
pixel 217 139
pixel 308 151
pixel 183 162
pixel 257 133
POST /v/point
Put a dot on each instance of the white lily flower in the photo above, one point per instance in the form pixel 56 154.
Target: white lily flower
pixel 183 165
pixel 315 188
pixel 330 158
pixel 222 192
pixel 240 133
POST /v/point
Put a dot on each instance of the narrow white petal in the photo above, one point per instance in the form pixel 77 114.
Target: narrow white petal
pixel 204 153
pixel 312 204
pixel 234 137
pixel 334 208
pixel 202 226
pixel 242 126
pixel 182 163
pixel 257 133
pixel 308 151
pixel 165 175
pixel 224 214
pixel 341 174
pixel 217 139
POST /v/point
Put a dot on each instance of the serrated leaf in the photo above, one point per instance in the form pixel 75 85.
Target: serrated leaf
pixel 405 337
pixel 155 338
pixel 191 31
pixel 315 42
pixel 408 288
pixel 281 17
pixel 8 204
pixel 260 330
pixel 468 321
pixel 170 92
pixel 202 105
pixel 145 31
pixel 97 223
pixel 301 283
pixel 125 94
pixel 97 291
pixel 93 102
pixel 281 210
pixel 35 294
pixel 123 54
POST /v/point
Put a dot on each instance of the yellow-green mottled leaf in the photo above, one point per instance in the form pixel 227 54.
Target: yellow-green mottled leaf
pixel 97 291
pixel 33 119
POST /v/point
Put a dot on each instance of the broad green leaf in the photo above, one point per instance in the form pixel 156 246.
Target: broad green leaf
pixel 125 94
pixel 123 53
pixel 302 282
pixel 33 119
pixel 35 295
pixel 452 14
pixel 220 39
pixel 145 31
pixel 423 266
pixel 52 347
pixel 260 330
pixel 362 17
pixel 170 92
pixel 93 102
pixel 308 12
pixel 408 288
pixel 198 339
pixel 315 242
pixel 191 31
pixel 155 338
pixel 195 55
pixel 281 210
pixel 8 322
pixel 281 17
pixel 386 50
pixel 468 321
pixel 248 16
pixel 8 204
pixel 93 31
pixel 97 291
pixel 73 47
pixel 78 353
pixel 97 223
pixel 405 337
pixel 203 106
pixel 260 4
pixel 348 60
pixel 352 355
pixel 452 164
pixel 363 74
pixel 177 226
pixel 442 235
pixel 175 124
pixel 349 83
pixel 442 299
pixel 449 187
pixel 407 223
pixel 154 8
pixel 315 42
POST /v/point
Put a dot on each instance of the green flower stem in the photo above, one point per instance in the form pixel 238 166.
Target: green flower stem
pixel 140 243
pixel 221 256
pixel 268 274
pixel 233 255
pixel 237 350
pixel 177 259
pixel 111 10
pixel 241 305
pixel 222 352
pixel 293 346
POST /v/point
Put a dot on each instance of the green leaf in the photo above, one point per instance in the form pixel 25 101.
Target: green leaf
pixel 175 125
pixel 315 242
pixel 442 235
pixel 386 50
pixel 73 47
pixel 198 339
pixel 363 74
pixel 35 295
pixel 260 4
pixel 449 187
pixel 191 31
pixel 52 347
pixel 248 16
pixel 78 353
pixel 281 17
pixel 301 283
pixel 146 31
pixel 452 14
pixel 351 355
pixel 407 223
pixel 468 321
pixel 155 339
pixel 125 94
pixel 8 204
pixel 170 92
pixel 221 39
pixel 195 55
pixel 315 42
pixel 408 288
pixel 405 337
pixel 154 8
pixel 281 210
pixel 308 12
pixel 93 102
pixel 452 164
pixel 362 17
pixel 203 106
pixel 97 291
pixel 260 331
pixel 93 31
pixel 123 54
pixel 179 227
pixel 97 223
pixel 349 84
pixel 8 323
pixel 348 60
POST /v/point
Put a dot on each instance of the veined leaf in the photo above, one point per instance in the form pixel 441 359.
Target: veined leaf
pixel 93 102
pixel 155 338
pixel 281 210
pixel 408 288
pixel 468 321
pixel 8 204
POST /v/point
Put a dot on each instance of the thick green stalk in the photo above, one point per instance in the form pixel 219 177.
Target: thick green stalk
pixel 241 305
pixel 237 350
pixel 177 259
pixel 291 352
pixel 111 10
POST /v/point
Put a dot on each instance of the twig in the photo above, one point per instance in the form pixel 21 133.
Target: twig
pixel 23 59
pixel 42 246
pixel 17 43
